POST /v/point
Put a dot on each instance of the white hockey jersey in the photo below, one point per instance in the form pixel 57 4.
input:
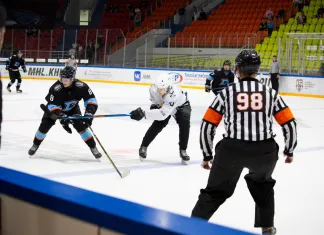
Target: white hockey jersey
pixel 71 62
pixel 168 104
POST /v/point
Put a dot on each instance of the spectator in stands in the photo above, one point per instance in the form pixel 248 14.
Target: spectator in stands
pixel 281 14
pixel 302 18
pixel 270 26
pixel 320 10
pixel 176 18
pixel 194 13
pixel 90 50
pixel 80 51
pixel 182 12
pixel 131 11
pixel 263 25
pixel 143 3
pixel 269 13
pixel 299 4
pixel 137 18
pixel 202 15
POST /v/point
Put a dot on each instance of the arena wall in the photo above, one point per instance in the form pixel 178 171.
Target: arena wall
pixel 288 84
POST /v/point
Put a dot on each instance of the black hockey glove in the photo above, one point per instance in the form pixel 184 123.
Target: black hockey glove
pixel 65 124
pixel 154 106
pixel 137 114
pixel 25 70
pixel 7 68
pixel 208 88
pixel 88 121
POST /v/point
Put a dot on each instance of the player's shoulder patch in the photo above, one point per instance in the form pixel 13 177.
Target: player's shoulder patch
pixel 80 84
pixel 58 87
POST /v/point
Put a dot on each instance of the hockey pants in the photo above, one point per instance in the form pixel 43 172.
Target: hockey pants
pixel 13 75
pixel 78 125
pixel 182 118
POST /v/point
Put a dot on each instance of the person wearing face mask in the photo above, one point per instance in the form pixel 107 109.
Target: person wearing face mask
pixel 219 79
pixel 63 100
pixel 168 100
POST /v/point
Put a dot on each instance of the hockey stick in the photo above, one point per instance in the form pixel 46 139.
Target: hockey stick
pixel 54 117
pixel 121 174
pixel 221 88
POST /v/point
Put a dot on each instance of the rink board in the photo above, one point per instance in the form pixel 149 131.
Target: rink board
pixel 289 85
pixel 96 211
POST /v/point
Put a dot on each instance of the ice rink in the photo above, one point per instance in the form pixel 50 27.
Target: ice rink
pixel 162 181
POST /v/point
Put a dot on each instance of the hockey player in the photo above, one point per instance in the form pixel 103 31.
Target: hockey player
pixel 63 100
pixel 13 64
pixel 72 62
pixel 220 78
pixel 167 100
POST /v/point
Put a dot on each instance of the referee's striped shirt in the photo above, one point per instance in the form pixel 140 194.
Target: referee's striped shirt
pixel 248 108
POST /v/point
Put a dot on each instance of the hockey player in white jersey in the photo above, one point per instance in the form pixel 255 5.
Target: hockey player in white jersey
pixel 168 100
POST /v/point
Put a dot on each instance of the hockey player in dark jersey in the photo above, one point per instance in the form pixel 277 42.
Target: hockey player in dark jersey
pixel 13 64
pixel 220 79
pixel 63 100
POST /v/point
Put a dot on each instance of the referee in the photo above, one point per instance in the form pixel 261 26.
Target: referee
pixel 247 108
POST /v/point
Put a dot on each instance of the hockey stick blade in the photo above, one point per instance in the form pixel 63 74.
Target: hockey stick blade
pixel 125 173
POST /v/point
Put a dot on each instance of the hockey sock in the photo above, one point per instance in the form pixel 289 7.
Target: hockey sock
pixel 10 84
pixel 88 138
pixel 39 137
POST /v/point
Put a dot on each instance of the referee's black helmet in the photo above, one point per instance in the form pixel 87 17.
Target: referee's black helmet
pixel 248 61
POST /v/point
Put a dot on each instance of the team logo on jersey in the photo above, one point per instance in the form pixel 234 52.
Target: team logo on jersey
pixel 177 77
pixel 58 87
pixel 79 84
pixel 137 76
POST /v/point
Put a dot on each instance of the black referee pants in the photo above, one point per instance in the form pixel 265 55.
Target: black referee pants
pixel 230 158
pixel 274 81
pixel 182 118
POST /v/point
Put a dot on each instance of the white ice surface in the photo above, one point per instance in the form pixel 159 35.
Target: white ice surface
pixel 162 181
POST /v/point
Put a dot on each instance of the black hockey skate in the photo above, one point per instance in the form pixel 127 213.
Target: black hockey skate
pixel 8 89
pixel 18 90
pixel 33 149
pixel 184 157
pixel 142 153
pixel 269 231
pixel 96 153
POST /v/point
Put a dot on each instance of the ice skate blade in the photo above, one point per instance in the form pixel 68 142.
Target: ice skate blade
pixel 142 159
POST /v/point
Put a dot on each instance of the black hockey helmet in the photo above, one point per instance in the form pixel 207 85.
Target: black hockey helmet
pixel 68 72
pixel 248 61
pixel 19 52
pixel 227 62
